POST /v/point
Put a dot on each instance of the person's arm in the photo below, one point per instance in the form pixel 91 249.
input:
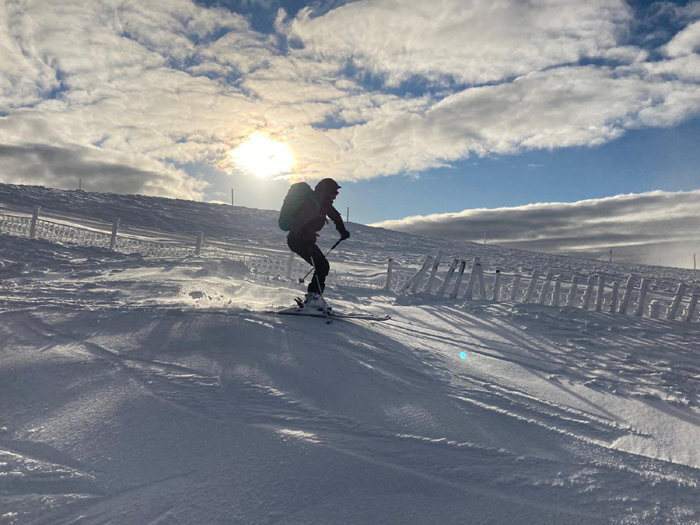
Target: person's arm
pixel 337 219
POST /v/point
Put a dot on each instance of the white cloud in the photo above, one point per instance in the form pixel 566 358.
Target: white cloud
pixel 472 42
pixel 23 81
pixel 636 224
pixel 685 42
pixel 149 84
pixel 563 107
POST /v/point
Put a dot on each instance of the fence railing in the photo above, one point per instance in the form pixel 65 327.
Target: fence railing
pixel 636 296
pixel 284 265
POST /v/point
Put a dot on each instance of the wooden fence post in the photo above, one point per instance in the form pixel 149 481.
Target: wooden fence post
pixel 414 281
pixel 480 278
pixel 200 240
pixel 644 287
pixel 599 296
pixel 421 273
pixel 433 271
pixel 588 292
pixel 35 219
pixel 389 270
pixel 497 287
pixel 613 301
pixel 460 275
pixel 545 288
pixel 476 266
pixel 629 285
pixel 680 292
pixel 514 288
pixel 573 291
pixel 531 286
pixel 557 292
pixel 654 308
pixel 691 307
pixel 448 278
pixel 113 238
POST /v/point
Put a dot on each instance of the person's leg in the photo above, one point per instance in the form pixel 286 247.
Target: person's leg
pixel 320 263
pixel 302 249
pixel 313 255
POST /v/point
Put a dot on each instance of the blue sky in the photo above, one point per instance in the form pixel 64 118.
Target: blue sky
pixel 641 161
pixel 447 118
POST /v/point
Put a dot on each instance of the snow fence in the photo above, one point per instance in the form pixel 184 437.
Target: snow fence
pixel 443 278
pixel 598 292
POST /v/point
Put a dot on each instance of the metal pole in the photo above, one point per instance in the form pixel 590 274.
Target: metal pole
pixel 231 196
pixel 347 215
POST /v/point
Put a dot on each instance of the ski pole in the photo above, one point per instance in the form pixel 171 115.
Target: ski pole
pixel 301 279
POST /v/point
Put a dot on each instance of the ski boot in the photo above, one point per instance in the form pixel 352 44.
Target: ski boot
pixel 315 301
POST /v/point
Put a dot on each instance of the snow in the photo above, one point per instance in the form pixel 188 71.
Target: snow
pixel 145 390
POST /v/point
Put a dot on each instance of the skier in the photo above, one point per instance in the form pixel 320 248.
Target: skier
pixel 309 219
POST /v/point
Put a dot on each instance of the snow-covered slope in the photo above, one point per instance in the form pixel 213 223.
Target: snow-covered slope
pixel 139 390
pixel 259 228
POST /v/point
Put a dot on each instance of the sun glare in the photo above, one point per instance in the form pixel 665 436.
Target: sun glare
pixel 263 157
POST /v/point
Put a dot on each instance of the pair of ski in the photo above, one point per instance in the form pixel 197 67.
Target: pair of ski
pixel 330 315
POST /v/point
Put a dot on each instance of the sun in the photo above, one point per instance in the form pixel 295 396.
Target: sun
pixel 263 157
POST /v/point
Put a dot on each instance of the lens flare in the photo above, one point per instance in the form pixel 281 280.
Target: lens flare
pixel 263 157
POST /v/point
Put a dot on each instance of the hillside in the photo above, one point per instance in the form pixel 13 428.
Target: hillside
pixel 146 390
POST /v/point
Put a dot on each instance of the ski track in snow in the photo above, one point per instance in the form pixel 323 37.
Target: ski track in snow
pixel 158 391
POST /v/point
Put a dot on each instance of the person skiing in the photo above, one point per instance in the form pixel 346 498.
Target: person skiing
pixel 309 219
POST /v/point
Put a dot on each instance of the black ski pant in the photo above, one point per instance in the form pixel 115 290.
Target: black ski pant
pixel 313 255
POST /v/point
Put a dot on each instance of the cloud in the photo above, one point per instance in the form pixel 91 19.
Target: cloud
pixel 635 225
pixel 685 42
pixel 64 168
pixel 23 81
pixel 358 90
pixel 561 107
pixel 475 42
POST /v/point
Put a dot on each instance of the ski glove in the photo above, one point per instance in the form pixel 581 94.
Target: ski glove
pixel 344 235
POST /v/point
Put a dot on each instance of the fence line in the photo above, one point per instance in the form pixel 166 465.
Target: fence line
pixel 638 298
pixel 597 293
pixel 282 266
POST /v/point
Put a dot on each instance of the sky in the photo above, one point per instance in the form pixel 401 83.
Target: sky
pixel 563 126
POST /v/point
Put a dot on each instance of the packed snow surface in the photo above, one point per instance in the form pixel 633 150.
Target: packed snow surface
pixel 155 391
